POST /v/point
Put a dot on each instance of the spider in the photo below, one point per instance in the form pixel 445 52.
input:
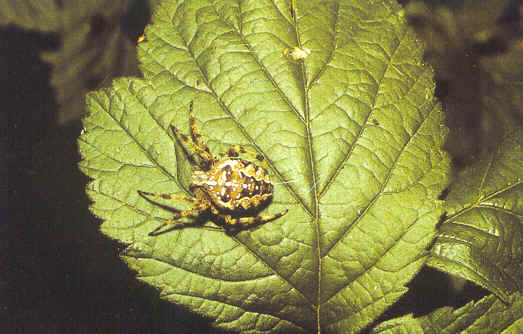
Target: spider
pixel 225 185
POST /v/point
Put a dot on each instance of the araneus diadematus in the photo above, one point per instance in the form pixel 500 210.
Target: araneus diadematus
pixel 227 186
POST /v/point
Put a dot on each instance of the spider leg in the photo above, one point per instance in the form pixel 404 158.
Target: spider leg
pixel 235 151
pixel 252 220
pixel 194 212
pixel 202 153
pixel 293 9
pixel 173 197
pixel 195 133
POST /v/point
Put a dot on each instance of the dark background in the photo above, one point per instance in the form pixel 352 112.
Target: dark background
pixel 59 273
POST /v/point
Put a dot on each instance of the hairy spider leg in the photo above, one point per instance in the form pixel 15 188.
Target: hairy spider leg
pixel 235 150
pixel 252 220
pixel 173 197
pixel 194 212
pixel 200 207
pixel 202 153
pixel 197 137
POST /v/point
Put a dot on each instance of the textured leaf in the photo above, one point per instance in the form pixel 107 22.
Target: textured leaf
pixel 487 316
pixel 482 238
pixel 406 324
pixel 352 138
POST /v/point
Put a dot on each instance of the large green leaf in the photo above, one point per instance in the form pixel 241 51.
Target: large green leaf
pixel 352 138
pixel 487 316
pixel 482 238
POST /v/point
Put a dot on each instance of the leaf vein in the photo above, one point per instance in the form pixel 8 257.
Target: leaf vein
pixel 481 202
pixel 262 67
pixel 237 306
pixel 347 156
pixel 376 260
pixel 383 185
pixel 331 53
pixel 144 151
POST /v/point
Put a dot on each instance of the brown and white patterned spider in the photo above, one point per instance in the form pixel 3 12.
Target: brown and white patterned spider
pixel 225 185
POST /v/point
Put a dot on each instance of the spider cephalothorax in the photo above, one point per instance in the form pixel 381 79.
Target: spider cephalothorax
pixel 230 187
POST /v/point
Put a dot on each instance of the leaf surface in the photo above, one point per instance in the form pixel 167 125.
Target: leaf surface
pixel 487 316
pixel 482 238
pixel 352 136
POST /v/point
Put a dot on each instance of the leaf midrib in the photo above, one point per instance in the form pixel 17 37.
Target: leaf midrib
pixel 224 107
pixel 480 202
pixel 252 142
pixel 314 175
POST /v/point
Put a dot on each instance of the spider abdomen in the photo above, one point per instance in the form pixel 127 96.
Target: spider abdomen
pixel 224 185
pixel 235 183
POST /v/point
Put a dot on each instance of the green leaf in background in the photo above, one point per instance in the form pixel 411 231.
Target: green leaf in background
pixel 475 49
pixel 482 238
pixel 505 90
pixel 93 46
pixel 489 315
pixel 94 49
pixel 31 14
pixel 352 136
